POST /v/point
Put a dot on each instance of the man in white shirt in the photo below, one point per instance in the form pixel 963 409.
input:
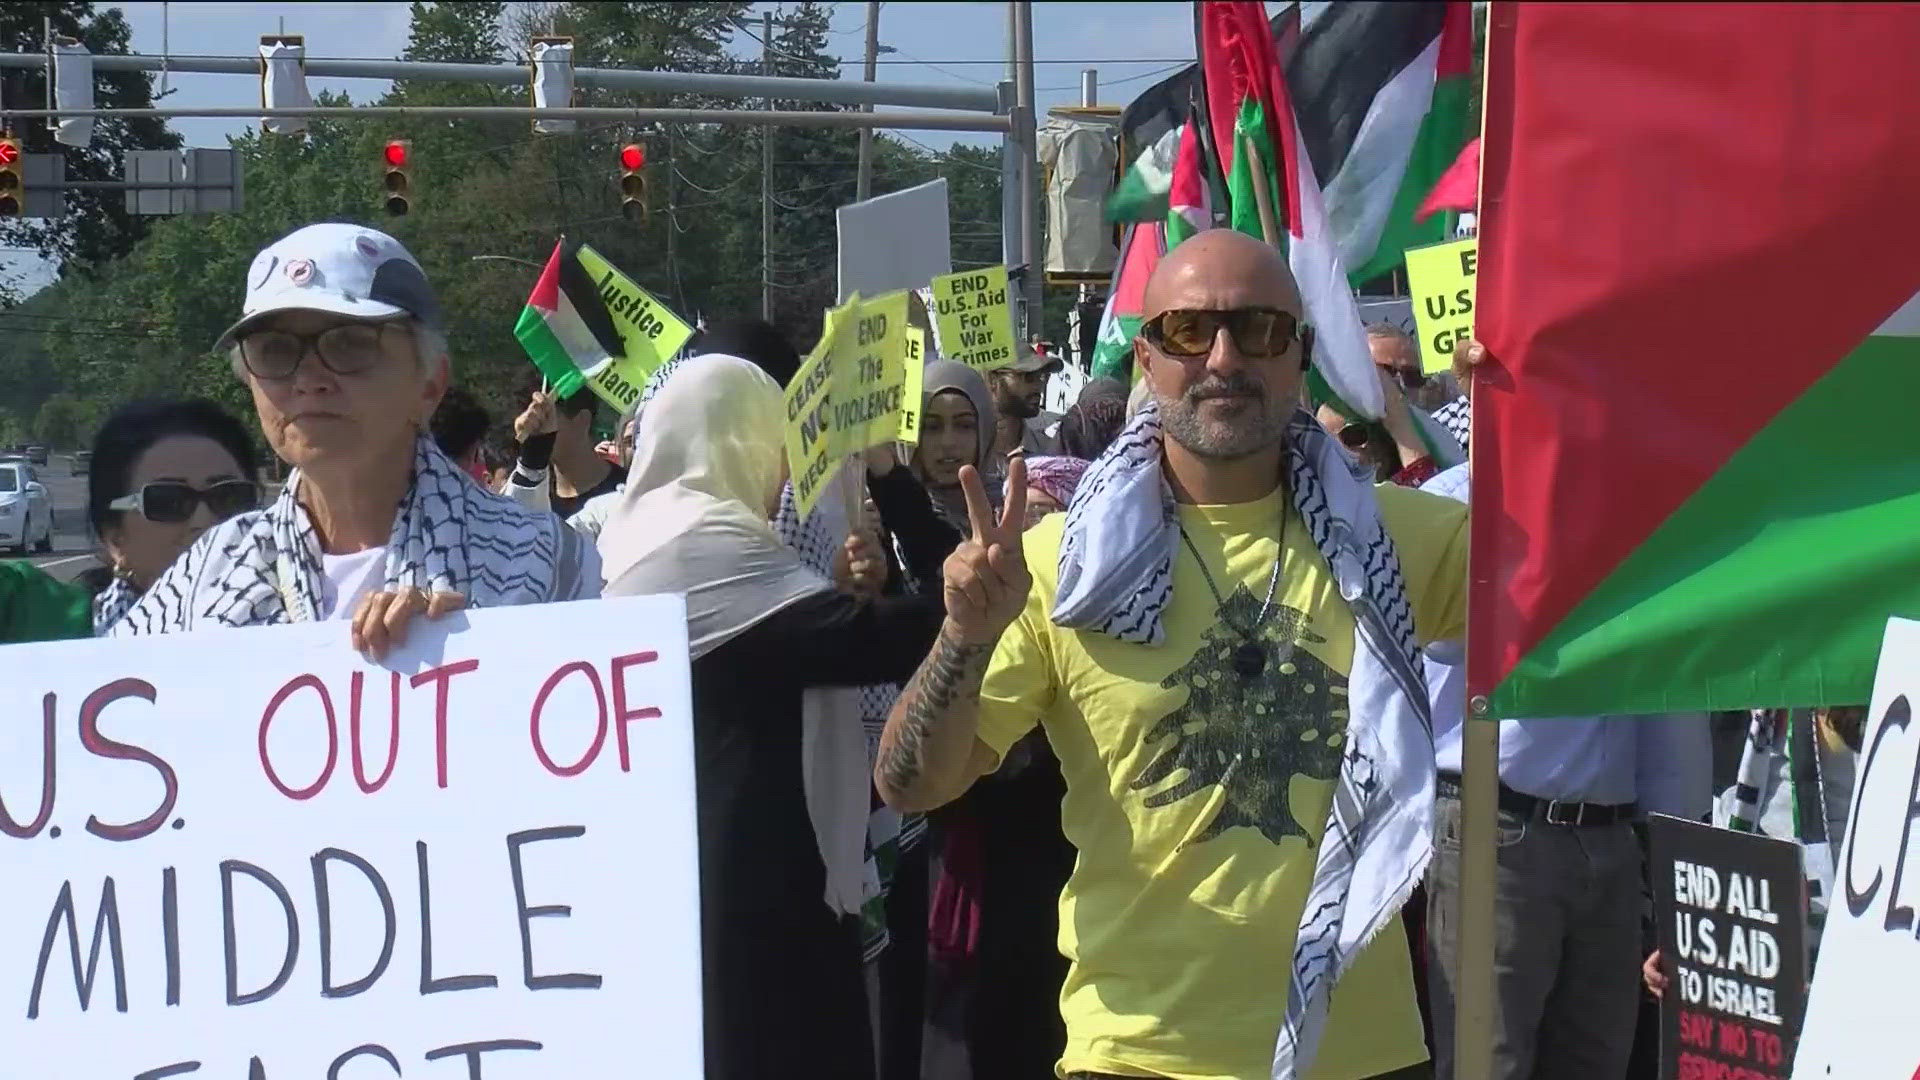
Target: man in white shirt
pixel 1567 930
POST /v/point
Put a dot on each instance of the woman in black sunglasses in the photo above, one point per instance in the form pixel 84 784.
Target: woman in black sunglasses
pixel 163 473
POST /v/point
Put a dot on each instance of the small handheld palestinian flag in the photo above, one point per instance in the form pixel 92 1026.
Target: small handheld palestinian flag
pixel 565 327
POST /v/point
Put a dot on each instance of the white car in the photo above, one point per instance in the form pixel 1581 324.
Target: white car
pixel 26 514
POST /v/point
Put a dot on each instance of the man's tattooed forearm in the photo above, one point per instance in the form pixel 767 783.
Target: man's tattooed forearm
pixel 951 673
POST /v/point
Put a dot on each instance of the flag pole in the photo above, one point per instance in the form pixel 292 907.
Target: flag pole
pixel 1473 990
pixel 1474 985
pixel 1262 194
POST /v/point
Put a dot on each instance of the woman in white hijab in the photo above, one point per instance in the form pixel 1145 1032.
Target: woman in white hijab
pixel 783 796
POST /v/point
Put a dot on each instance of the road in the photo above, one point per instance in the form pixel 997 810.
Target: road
pixel 73 548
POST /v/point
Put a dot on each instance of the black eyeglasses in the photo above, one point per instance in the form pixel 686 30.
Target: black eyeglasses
pixel 1260 333
pixel 171 502
pixel 346 349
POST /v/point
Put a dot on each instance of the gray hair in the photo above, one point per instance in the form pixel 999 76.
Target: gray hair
pixel 429 345
pixel 1388 330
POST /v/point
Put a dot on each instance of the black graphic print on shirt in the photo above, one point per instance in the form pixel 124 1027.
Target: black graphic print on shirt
pixel 1249 736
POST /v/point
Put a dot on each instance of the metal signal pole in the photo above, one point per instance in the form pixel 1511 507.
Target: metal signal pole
pixel 863 183
pixel 766 177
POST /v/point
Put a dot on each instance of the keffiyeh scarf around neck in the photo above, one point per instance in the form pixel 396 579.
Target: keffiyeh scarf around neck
pixel 450 535
pixel 1116 578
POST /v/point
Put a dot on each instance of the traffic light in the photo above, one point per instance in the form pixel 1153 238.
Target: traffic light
pixel 12 191
pixel 398 169
pixel 633 186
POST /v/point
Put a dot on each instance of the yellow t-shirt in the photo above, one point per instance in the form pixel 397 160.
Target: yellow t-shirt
pixel 1194 795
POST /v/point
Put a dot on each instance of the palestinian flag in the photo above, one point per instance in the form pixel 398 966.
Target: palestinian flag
pixel 1695 480
pixel 1141 247
pixel 1252 117
pixel 1381 92
pixel 565 326
pixel 1152 128
pixel 1458 188
pixel 1189 210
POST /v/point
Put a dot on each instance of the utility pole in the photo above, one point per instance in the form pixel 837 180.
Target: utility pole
pixel 766 177
pixel 863 184
pixel 1026 133
pixel 673 225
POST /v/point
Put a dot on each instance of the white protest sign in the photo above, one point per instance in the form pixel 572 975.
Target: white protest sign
pixel 894 241
pixel 249 854
pixel 1859 1020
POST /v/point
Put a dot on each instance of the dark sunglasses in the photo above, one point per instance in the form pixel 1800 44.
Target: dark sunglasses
pixel 1260 333
pixel 346 349
pixel 171 502
pixel 1410 378
pixel 1355 435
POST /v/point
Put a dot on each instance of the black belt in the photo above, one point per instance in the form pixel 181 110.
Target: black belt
pixel 1552 811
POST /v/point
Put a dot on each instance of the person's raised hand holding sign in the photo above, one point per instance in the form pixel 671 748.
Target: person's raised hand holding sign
pixel 986 576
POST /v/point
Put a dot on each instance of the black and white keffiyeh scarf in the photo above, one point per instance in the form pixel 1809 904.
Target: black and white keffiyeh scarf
pixel 1116 578
pixel 450 535
pixel 817 539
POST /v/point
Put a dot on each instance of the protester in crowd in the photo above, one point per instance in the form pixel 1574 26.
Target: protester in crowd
pixel 997 968
pixel 341 343
pixel 1020 424
pixel 459 427
pixel 163 473
pixel 1391 446
pixel 954 433
pixel 498 453
pixel 752 339
pixel 1096 417
pixel 782 802
pixel 1395 352
pixel 35 607
pixel 592 515
pixel 1202 729
pixel 894 548
pixel 1050 485
pixel 1567 900
pixel 558 468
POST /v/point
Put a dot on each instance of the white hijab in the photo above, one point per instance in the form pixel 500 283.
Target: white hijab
pixel 693 520
pixel 693 517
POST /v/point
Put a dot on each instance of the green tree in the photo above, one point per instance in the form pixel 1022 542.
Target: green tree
pixel 97 228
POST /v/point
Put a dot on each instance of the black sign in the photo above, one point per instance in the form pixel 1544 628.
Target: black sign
pixel 1730 908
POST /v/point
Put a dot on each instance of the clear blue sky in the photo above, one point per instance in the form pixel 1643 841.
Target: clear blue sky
pixel 938 43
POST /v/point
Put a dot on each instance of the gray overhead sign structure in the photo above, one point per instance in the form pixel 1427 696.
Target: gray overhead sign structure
pixel 162 182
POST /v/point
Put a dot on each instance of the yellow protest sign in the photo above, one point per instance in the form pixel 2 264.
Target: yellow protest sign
pixel 911 388
pixel 971 314
pixel 650 331
pixel 811 457
pixel 869 345
pixel 1440 278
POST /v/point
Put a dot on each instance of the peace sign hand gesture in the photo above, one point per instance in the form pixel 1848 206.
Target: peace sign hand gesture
pixel 986 576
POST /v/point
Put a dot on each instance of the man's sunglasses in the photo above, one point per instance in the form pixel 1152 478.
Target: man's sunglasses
pixel 1355 435
pixel 171 502
pixel 1259 333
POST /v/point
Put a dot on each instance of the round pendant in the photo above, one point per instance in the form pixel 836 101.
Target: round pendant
pixel 1249 660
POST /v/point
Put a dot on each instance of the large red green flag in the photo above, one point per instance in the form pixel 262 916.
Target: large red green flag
pixel 1697 479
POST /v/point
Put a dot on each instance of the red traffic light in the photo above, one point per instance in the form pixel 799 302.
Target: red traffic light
pixel 632 156
pixel 396 153
pixel 9 152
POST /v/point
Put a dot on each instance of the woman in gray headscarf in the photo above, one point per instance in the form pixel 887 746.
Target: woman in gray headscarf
pixel 956 428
